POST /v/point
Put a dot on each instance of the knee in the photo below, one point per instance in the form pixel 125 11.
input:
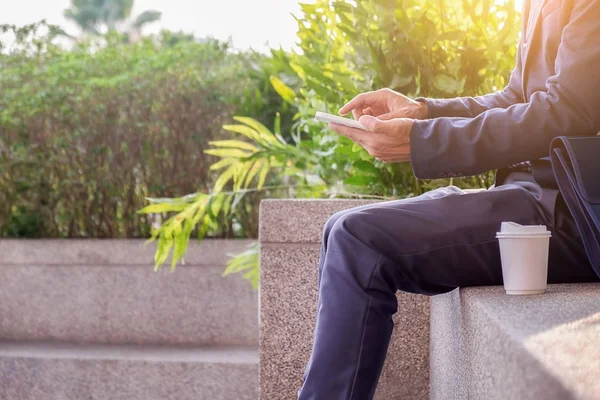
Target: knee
pixel 376 230
pixel 331 223
pixel 352 222
pixel 357 256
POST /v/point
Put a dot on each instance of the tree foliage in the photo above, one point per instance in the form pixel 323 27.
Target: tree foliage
pixel 101 16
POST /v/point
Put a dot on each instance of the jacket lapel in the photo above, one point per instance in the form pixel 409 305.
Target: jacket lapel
pixel 530 30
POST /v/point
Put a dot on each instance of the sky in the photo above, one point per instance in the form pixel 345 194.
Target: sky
pixel 249 23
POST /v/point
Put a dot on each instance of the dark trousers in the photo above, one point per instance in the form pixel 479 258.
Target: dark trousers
pixel 431 244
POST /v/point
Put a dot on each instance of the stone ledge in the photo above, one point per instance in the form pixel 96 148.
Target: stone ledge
pixel 485 344
pixel 50 373
pixel 127 304
pixel 64 351
pixel 299 221
pixel 108 252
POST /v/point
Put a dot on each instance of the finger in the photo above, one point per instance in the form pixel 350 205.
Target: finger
pixel 361 101
pixel 357 112
pixel 372 124
pixel 388 160
pixel 393 160
pixel 388 151
pixel 386 117
pixel 353 134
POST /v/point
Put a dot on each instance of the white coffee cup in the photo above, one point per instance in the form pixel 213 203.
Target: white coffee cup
pixel 524 254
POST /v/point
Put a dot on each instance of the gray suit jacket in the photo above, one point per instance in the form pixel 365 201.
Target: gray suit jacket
pixel 554 90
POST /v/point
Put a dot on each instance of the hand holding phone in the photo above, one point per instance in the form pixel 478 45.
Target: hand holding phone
pixel 386 140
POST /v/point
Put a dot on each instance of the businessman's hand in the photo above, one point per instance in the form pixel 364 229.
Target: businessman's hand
pixel 385 104
pixel 386 140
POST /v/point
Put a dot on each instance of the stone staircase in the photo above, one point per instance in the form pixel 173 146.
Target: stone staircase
pixel 91 320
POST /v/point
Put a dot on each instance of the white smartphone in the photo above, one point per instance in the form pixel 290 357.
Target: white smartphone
pixel 335 119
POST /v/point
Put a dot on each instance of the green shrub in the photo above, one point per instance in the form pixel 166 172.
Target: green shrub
pixel 88 133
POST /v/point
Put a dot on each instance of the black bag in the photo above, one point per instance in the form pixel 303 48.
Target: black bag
pixel 576 166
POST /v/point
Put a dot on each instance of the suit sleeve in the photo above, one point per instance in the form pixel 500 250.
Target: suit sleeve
pixel 470 107
pixel 498 137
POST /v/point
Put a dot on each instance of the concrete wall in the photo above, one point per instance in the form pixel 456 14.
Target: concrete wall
pixel 290 235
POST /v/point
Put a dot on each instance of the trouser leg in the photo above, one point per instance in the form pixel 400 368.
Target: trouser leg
pixel 427 245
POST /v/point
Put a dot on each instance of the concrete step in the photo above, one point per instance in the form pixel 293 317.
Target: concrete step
pixel 487 345
pixel 109 252
pixel 46 371
pixel 97 291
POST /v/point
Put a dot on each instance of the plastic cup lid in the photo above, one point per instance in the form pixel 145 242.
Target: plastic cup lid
pixel 501 235
pixel 514 228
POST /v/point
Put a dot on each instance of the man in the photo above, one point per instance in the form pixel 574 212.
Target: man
pixel 446 238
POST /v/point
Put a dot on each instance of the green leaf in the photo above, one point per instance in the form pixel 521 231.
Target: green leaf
pixel 278 129
pixel 227 205
pixel 262 130
pixel 217 204
pixel 277 124
pixel 240 176
pixel 178 200
pixel 204 227
pixel 200 213
pixel 163 208
pixel 253 171
pixel 246 131
pixel 254 124
pixel 283 90
pixel 366 166
pixel 180 245
pixel 224 178
pixel 246 263
pixel 162 251
pixel 263 175
pixel 223 163
pixel 236 144
pixel 359 180
pixel 235 153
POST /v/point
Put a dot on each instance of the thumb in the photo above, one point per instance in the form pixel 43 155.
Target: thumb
pixel 387 116
pixel 371 123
